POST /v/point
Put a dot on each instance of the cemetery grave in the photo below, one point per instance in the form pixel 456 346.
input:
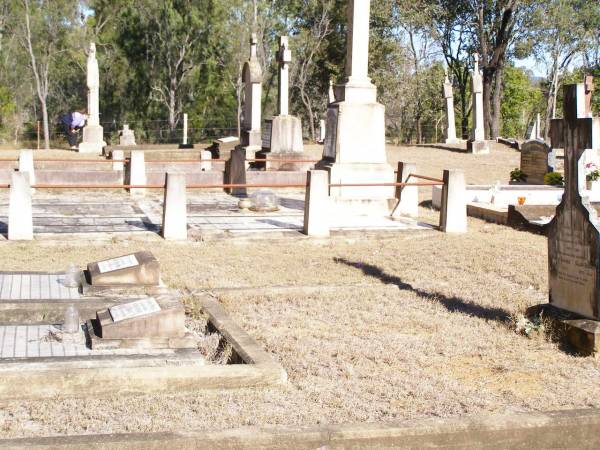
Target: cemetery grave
pixel 116 328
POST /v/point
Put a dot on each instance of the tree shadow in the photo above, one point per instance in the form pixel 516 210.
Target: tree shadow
pixel 452 304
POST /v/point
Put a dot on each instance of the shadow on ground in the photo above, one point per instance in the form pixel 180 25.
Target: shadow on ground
pixel 452 304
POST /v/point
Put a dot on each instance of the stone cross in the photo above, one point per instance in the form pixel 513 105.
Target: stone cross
pixel 284 58
pixel 450 119
pixel 357 53
pixel 251 101
pixel 477 92
pixel 573 235
pixel 93 85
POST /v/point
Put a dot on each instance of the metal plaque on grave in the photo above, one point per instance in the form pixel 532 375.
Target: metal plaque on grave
pixel 573 234
pixel 134 309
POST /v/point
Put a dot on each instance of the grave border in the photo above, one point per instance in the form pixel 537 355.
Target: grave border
pixel 35 378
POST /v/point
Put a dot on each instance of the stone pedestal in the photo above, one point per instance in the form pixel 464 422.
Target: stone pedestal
pixel 283 135
pixel 20 219
pixel 479 147
pixel 93 140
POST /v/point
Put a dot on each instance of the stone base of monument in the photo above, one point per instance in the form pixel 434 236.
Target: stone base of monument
pixel 360 200
pixel 93 140
pixel 582 335
pixel 283 134
pixel 479 147
pixel 454 141
pixel 284 161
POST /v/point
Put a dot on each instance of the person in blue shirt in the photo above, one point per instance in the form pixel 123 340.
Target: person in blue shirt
pixel 73 122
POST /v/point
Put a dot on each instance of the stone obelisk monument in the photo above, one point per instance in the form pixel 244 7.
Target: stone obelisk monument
pixel 282 134
pixel 450 118
pixel 354 151
pixel 93 138
pixel 251 109
pixel 477 144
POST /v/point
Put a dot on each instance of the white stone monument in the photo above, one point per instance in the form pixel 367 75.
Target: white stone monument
pixel 331 92
pixel 477 144
pixel 127 136
pixel 185 129
pixel 251 137
pixel 20 219
pixel 450 118
pixel 282 135
pixel 93 134
pixel 354 151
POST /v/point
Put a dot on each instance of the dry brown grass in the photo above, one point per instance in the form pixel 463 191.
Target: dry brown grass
pixel 404 326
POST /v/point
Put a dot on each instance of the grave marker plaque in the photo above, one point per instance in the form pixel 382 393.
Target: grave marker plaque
pixel 134 309
pixel 573 234
pixel 266 134
pixel 139 269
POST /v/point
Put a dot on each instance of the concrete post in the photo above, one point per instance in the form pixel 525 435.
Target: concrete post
pixel 137 172
pixel 206 158
pixel 118 156
pixel 185 129
pixel 174 225
pixel 20 218
pixel 453 213
pixel 408 196
pixel 316 205
pixel 26 164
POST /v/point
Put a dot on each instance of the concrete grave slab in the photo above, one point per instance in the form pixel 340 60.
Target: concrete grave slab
pixel 137 269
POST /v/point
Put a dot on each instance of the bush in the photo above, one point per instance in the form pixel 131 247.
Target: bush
pixel 554 179
pixel 518 175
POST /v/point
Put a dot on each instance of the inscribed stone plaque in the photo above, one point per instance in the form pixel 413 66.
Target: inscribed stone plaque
pixel 329 148
pixel 573 234
pixel 117 263
pixel 139 269
pixel 537 159
pixel 266 134
pixel 134 309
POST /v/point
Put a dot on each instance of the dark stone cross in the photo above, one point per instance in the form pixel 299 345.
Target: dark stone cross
pixel 573 234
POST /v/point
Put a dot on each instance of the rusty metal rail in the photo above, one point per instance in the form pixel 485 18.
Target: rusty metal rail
pixel 423 177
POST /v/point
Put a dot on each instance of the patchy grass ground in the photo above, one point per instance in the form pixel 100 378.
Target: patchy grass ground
pixel 409 325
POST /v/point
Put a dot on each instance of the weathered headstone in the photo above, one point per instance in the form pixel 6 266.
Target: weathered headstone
pixel 537 159
pixel 137 269
pixel 574 233
pixel 450 117
pixel 126 136
pixel 282 134
pixel 477 144
pixel 26 164
pixel 174 226
pixel 20 220
pixel 354 151
pixel 93 133
pixel 251 138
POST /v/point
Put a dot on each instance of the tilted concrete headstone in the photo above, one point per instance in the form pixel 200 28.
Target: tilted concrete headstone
pixel 574 233
pixel 477 144
pixel 20 219
pixel 450 116
pixel 137 269
pixel 93 133
pixel 453 212
pixel 251 137
pixel 354 151
pixel 537 159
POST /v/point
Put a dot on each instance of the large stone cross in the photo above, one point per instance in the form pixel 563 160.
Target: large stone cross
pixel 284 58
pixel 573 234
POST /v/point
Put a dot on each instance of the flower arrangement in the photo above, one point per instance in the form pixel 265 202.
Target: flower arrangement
pixel 592 173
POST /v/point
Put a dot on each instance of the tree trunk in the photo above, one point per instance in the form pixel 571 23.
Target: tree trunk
pixel 497 104
pixel 171 109
pixel 488 78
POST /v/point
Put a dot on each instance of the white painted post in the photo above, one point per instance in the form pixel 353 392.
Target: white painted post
pixel 185 129
pixel 477 89
pixel 316 205
pixel 174 227
pixel 137 172
pixel 322 130
pixel 118 156
pixel 206 158
pixel 408 196
pixel 453 214
pixel 20 217
pixel 450 117
pixel 26 164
